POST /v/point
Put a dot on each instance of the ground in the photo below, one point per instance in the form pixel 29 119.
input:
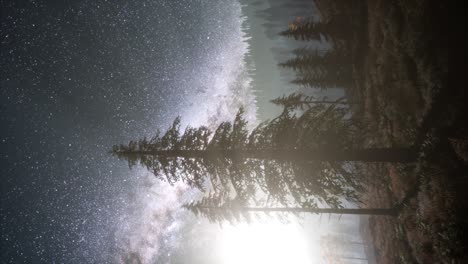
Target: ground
pixel 400 64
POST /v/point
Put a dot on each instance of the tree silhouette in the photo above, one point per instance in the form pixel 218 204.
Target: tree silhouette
pixel 321 69
pixel 251 162
pixel 217 209
pixel 309 51
pixel 306 29
pixel 302 102
pixel 292 159
pixel 333 60
pixel 321 80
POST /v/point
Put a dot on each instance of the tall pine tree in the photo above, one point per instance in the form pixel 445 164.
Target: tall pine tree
pixel 217 209
pixel 293 159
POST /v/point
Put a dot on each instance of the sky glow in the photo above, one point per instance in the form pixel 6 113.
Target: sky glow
pixel 267 242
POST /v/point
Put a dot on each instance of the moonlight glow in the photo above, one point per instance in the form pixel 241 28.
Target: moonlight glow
pixel 270 242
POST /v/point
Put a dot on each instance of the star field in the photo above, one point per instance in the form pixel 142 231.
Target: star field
pixel 80 76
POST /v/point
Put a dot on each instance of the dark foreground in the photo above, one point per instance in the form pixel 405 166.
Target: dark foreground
pixel 411 93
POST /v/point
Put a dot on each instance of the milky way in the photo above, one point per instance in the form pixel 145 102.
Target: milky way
pixel 80 76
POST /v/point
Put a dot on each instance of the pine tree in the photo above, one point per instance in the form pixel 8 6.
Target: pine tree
pixel 323 80
pixel 292 159
pixel 302 102
pixel 307 29
pixel 309 51
pixel 330 245
pixel 249 162
pixel 321 69
pixel 331 61
pixel 217 209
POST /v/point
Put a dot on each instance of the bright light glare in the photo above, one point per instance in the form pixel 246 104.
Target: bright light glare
pixel 266 243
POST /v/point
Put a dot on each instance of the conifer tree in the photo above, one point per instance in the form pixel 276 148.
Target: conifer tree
pixel 307 29
pixel 321 69
pixel 309 51
pixel 302 102
pixel 331 61
pixel 323 80
pixel 216 209
pixel 293 159
pixel 249 162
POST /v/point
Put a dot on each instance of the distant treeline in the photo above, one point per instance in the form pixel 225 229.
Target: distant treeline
pixel 319 68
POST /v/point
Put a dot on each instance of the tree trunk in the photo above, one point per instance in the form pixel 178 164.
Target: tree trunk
pixel 343 211
pixel 369 155
pixel 403 155
pixel 351 211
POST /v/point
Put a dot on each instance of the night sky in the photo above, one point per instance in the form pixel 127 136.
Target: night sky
pixel 80 76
